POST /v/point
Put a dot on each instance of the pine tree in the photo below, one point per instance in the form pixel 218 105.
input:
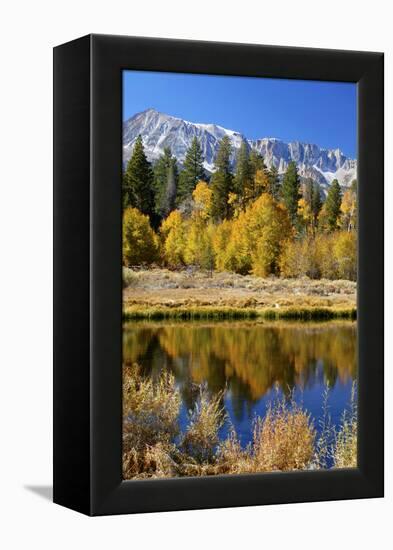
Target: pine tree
pixel 138 180
pixel 332 205
pixel 256 161
pixel 192 172
pixel 311 192
pixel 243 179
pixel 260 175
pixel 274 183
pixel 165 173
pixel 170 189
pixel 290 191
pixel 222 182
pixel 316 202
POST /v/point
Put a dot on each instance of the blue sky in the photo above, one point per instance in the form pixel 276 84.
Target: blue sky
pixel 314 112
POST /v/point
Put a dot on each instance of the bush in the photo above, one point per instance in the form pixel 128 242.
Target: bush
pixel 129 277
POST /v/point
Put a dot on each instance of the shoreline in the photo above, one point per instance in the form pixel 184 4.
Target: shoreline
pixel 307 313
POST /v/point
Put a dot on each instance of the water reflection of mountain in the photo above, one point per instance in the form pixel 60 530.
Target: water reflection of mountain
pixel 247 359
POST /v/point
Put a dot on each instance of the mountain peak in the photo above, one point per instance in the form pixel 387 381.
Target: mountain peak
pixel 160 130
pixel 148 110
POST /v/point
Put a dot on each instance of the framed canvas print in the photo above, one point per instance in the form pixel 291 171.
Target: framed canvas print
pixel 218 275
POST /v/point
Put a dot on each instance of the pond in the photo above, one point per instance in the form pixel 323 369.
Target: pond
pixel 250 362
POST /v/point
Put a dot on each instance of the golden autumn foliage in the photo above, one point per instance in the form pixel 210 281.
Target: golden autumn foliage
pixel 140 244
pixel 252 242
pixel 189 241
pixel 202 196
pixel 235 252
pixel 221 239
pixel 348 210
pixel 345 252
pixel 261 183
pixel 301 258
pixel 173 233
pixel 269 227
pixel 305 214
pixel 259 239
pixel 199 247
pixel 330 256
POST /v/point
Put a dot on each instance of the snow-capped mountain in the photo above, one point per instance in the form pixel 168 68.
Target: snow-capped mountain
pixel 159 130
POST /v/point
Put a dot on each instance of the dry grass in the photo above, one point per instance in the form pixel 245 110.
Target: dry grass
pixel 160 293
pixel 156 278
pixel 345 441
pixel 150 424
pixel 201 436
pixel 285 439
pixel 338 445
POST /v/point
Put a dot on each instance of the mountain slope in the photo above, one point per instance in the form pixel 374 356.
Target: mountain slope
pixel 159 130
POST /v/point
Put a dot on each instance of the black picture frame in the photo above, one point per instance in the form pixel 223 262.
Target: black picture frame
pixel 88 280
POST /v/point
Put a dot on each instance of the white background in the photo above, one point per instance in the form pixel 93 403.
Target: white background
pixel 29 30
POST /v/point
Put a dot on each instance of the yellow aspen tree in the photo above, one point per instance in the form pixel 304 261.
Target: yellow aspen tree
pixel 291 260
pixel 239 246
pixel 199 247
pixel 202 196
pixel 304 214
pixel 268 228
pixel 221 240
pixel 261 183
pixel 344 250
pixel 140 243
pixel 234 201
pixel 173 234
pixel 348 210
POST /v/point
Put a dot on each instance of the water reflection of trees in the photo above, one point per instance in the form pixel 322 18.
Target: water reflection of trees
pixel 246 358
